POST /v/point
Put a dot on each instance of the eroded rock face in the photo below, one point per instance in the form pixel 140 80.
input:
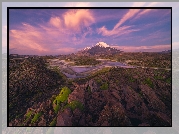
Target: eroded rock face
pixel 113 116
pixel 125 102
pixel 134 105
pixel 159 119
pixel 153 101
pixel 69 117
pixel 78 94
pixel 118 105
pixel 65 118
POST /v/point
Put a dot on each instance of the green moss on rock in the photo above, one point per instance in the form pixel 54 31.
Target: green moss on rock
pixel 36 117
pixel 104 86
pixel 63 96
pixel 75 104
pixel 54 121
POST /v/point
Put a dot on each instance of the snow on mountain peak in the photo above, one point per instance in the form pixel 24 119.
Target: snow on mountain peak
pixel 102 44
pixel 86 48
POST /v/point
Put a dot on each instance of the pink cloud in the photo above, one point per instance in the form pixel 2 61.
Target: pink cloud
pixel 75 19
pixel 156 48
pixel 55 21
pixel 128 15
pixel 118 30
pixel 132 13
pixel 54 35
pixel 144 12
pixel 105 32
pixel 25 39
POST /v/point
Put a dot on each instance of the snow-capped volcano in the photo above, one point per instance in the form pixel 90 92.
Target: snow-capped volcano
pixel 102 44
pixel 101 48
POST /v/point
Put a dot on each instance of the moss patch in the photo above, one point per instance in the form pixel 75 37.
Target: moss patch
pixel 75 104
pixel 104 86
pixel 63 96
pixel 168 80
pixel 54 121
pixel 56 108
pixel 36 117
pixel 149 82
pixel 28 115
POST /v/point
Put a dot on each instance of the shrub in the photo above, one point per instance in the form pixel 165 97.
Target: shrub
pixel 104 86
pixel 56 108
pixel 89 89
pixel 149 82
pixel 75 104
pixel 53 123
pixel 168 80
pixel 28 115
pixel 63 96
pixel 36 117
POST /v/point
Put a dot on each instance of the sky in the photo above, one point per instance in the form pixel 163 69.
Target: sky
pixel 64 31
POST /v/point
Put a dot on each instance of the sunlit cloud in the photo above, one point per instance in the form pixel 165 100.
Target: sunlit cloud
pixel 54 34
pixel 76 19
pixel 127 16
pixel 144 12
pixel 116 32
pixel 131 14
pixel 55 21
pixel 117 29
pixel 22 39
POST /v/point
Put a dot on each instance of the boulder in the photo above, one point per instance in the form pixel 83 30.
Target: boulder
pixel 64 118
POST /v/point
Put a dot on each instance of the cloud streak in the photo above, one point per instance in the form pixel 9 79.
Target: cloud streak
pixel 132 13
pixel 118 28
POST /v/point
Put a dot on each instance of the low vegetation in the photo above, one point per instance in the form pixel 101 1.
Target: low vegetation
pixel 104 86
pixel 61 98
pixel 36 117
pixel 75 104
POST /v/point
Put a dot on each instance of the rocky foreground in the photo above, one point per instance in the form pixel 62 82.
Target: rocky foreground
pixel 110 97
